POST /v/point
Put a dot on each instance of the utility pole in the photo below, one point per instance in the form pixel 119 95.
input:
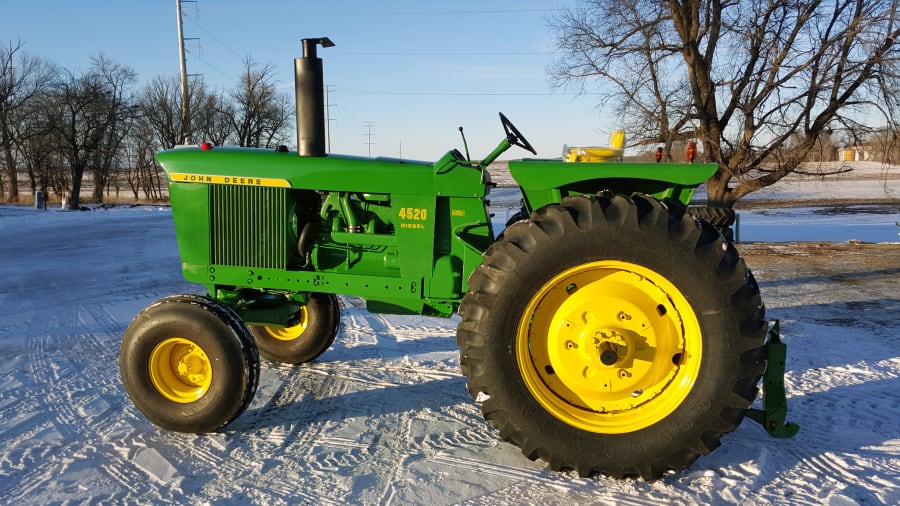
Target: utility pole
pixel 185 96
pixel 328 117
pixel 369 125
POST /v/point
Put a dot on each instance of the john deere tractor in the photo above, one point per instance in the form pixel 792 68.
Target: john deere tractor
pixel 607 331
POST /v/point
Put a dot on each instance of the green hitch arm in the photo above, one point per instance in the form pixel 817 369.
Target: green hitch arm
pixel 774 413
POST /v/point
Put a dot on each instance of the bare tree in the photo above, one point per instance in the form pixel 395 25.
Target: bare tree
pixel 120 114
pixel 747 78
pixel 160 103
pixel 258 112
pixel 254 114
pixel 214 119
pixel 22 78
pixel 38 152
pixel 885 145
pixel 89 114
pixel 78 117
pixel 141 172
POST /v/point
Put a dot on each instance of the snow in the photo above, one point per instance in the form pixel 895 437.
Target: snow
pixel 383 416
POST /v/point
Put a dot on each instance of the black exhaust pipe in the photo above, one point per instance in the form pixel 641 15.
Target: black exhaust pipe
pixel 309 89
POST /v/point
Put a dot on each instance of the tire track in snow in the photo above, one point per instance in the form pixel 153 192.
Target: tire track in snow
pixel 142 476
pixel 395 448
pixel 78 397
pixel 374 375
pixel 122 473
pixel 497 470
pixel 389 434
pixel 250 446
pixel 464 438
pixel 336 454
pixel 89 397
pixel 55 383
pixel 327 456
pixel 300 446
pixel 24 454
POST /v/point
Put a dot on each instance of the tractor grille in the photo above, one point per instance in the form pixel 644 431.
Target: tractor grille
pixel 248 226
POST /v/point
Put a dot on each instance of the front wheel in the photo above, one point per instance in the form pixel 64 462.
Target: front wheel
pixel 612 335
pixel 307 339
pixel 189 364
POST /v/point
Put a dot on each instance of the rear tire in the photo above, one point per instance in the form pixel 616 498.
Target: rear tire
pixel 612 335
pixel 520 215
pixel 718 217
pixel 189 364
pixel 319 322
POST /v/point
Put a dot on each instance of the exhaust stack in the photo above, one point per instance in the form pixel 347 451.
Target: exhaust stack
pixel 309 91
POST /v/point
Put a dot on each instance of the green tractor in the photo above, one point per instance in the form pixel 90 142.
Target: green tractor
pixel 607 331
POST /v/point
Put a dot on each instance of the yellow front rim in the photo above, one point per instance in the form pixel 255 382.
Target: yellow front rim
pixel 293 332
pixel 180 370
pixel 609 347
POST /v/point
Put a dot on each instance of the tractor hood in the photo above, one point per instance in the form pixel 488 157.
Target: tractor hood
pixel 344 173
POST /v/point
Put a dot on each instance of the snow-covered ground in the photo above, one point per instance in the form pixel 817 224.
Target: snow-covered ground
pixel 383 417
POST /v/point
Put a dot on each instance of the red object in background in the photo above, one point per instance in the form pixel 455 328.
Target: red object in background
pixel 659 154
pixel 691 151
pixel 205 146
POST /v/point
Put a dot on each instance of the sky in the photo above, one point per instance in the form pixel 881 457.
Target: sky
pixel 415 71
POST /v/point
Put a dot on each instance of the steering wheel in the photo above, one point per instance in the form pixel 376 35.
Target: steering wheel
pixel 514 136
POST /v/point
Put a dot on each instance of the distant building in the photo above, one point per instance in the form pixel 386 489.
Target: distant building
pixel 855 154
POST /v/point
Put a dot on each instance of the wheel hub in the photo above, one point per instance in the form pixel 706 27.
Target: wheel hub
pixel 191 364
pixel 609 353
pixel 180 370
pixel 293 332
pixel 609 346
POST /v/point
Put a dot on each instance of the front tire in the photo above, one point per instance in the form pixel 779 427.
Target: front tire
pixel 612 335
pixel 189 364
pixel 310 337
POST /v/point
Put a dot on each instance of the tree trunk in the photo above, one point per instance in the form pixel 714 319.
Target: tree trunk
pixel 99 186
pixel 6 143
pixel 77 175
pixel 13 180
pixel 718 194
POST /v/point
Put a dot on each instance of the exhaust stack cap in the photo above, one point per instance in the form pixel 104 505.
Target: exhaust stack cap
pixel 309 91
pixel 309 46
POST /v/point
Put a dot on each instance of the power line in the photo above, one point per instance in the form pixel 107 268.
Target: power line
pixel 473 94
pixel 217 40
pixel 453 12
pixel 214 68
pixel 422 53
pixel 369 13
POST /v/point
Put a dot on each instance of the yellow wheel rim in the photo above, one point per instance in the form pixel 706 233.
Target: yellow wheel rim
pixel 290 333
pixel 609 347
pixel 180 370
